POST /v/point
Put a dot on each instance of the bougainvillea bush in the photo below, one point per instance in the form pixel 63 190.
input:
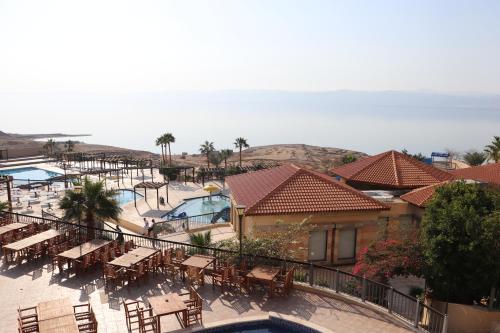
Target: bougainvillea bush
pixel 386 258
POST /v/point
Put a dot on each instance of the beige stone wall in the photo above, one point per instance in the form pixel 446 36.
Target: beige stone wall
pixel 369 225
pixel 469 319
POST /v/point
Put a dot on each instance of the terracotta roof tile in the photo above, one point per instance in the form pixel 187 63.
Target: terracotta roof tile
pixel 421 196
pixel 488 173
pixel 392 169
pixel 291 189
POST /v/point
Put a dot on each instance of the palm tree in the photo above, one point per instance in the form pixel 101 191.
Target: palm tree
pixel 91 203
pixel 226 153
pixel 50 146
pixel 168 138
pixel 241 143
pixel 206 148
pixel 4 205
pixel 159 142
pixel 493 150
pixel 201 239
pixel 69 145
pixel 474 158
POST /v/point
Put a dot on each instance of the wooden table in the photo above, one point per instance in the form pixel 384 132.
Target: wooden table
pixel 199 261
pixel 12 226
pixel 56 316
pixel 133 257
pixel 86 248
pixel 168 304
pixel 263 273
pixel 33 240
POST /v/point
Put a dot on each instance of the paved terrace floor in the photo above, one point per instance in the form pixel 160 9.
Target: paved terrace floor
pixel 30 283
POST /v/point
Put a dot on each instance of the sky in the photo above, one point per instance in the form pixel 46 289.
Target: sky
pixel 445 46
pixel 363 75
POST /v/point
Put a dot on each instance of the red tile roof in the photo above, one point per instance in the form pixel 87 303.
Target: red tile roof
pixel 421 196
pixel 291 189
pixel 393 170
pixel 488 173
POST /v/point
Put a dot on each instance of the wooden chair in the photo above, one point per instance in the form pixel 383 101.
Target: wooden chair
pixel 132 314
pixel 192 296
pixel 27 316
pixel 221 278
pixel 85 318
pixel 195 312
pixel 179 256
pixel 195 276
pixel 284 283
pixel 148 322
pixel 236 279
pixel 135 274
pixel 85 263
pixel 169 267
pixel 36 251
pixel 112 275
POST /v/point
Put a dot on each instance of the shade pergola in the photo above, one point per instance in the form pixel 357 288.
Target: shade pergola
pixel 148 186
pixel 178 169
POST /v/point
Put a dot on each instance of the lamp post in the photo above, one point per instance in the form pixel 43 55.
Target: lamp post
pixel 241 212
pixel 78 189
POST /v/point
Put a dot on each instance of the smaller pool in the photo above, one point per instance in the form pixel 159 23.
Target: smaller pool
pixel 125 196
pixel 200 206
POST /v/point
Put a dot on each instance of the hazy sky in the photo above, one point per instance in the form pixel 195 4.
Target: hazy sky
pixel 127 71
pixel 308 45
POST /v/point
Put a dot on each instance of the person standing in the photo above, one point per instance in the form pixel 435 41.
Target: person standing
pixel 145 229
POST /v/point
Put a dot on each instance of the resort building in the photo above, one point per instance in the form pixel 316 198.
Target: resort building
pixel 488 173
pixel 345 219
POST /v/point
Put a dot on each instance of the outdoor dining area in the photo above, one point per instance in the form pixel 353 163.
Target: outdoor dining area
pixel 123 263
pixel 57 315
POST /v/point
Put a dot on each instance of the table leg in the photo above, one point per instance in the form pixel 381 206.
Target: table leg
pixel 184 317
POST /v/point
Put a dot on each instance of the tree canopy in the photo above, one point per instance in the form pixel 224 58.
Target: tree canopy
pixel 474 158
pixel 461 242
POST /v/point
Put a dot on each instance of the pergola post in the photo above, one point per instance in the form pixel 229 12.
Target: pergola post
pixel 135 199
pixel 157 200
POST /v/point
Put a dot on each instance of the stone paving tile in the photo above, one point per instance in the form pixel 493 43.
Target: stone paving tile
pixel 30 283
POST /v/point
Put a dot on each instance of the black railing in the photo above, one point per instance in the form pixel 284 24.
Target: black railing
pixel 185 223
pixel 407 308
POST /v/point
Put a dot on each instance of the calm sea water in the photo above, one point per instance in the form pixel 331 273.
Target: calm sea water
pixel 364 121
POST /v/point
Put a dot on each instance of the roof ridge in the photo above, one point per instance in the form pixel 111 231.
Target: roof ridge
pixel 430 168
pixel 287 179
pixel 395 166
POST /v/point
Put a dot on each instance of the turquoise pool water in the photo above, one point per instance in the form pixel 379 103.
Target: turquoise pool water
pixel 125 196
pixel 30 173
pixel 200 206
pixel 262 327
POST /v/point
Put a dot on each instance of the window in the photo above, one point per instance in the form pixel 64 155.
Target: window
pixel 317 245
pixel 347 244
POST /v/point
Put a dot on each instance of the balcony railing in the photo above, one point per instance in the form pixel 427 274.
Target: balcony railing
pixel 402 306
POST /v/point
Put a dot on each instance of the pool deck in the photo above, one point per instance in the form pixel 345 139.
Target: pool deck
pixel 132 216
pixel 30 283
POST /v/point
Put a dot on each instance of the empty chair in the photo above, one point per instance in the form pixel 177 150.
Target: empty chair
pixel 148 322
pixel 27 320
pixel 132 314
pixel 195 276
pixel 221 278
pixel 112 275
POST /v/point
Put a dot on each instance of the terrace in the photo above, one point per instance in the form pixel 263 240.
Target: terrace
pixel 322 297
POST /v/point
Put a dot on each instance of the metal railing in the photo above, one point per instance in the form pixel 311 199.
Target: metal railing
pixel 402 306
pixel 184 223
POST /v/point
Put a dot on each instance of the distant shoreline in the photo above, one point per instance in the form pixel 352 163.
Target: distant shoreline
pixel 45 136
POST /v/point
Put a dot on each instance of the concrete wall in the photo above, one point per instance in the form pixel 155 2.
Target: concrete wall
pixel 469 319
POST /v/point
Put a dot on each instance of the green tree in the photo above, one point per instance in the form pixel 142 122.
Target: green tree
pixel 69 145
pixel 458 241
pixel 216 158
pixel 226 153
pixel 241 143
pixel 4 205
pixel 349 158
pixel 419 157
pixel 161 142
pixel 474 158
pixel 206 148
pixel 493 150
pixel 92 203
pixel 50 147
pixel 168 138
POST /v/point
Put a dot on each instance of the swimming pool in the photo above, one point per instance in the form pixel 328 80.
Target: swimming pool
pixel 272 325
pixel 199 206
pixel 30 173
pixel 125 196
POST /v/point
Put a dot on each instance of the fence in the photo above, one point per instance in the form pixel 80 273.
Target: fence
pixel 184 223
pixel 398 304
